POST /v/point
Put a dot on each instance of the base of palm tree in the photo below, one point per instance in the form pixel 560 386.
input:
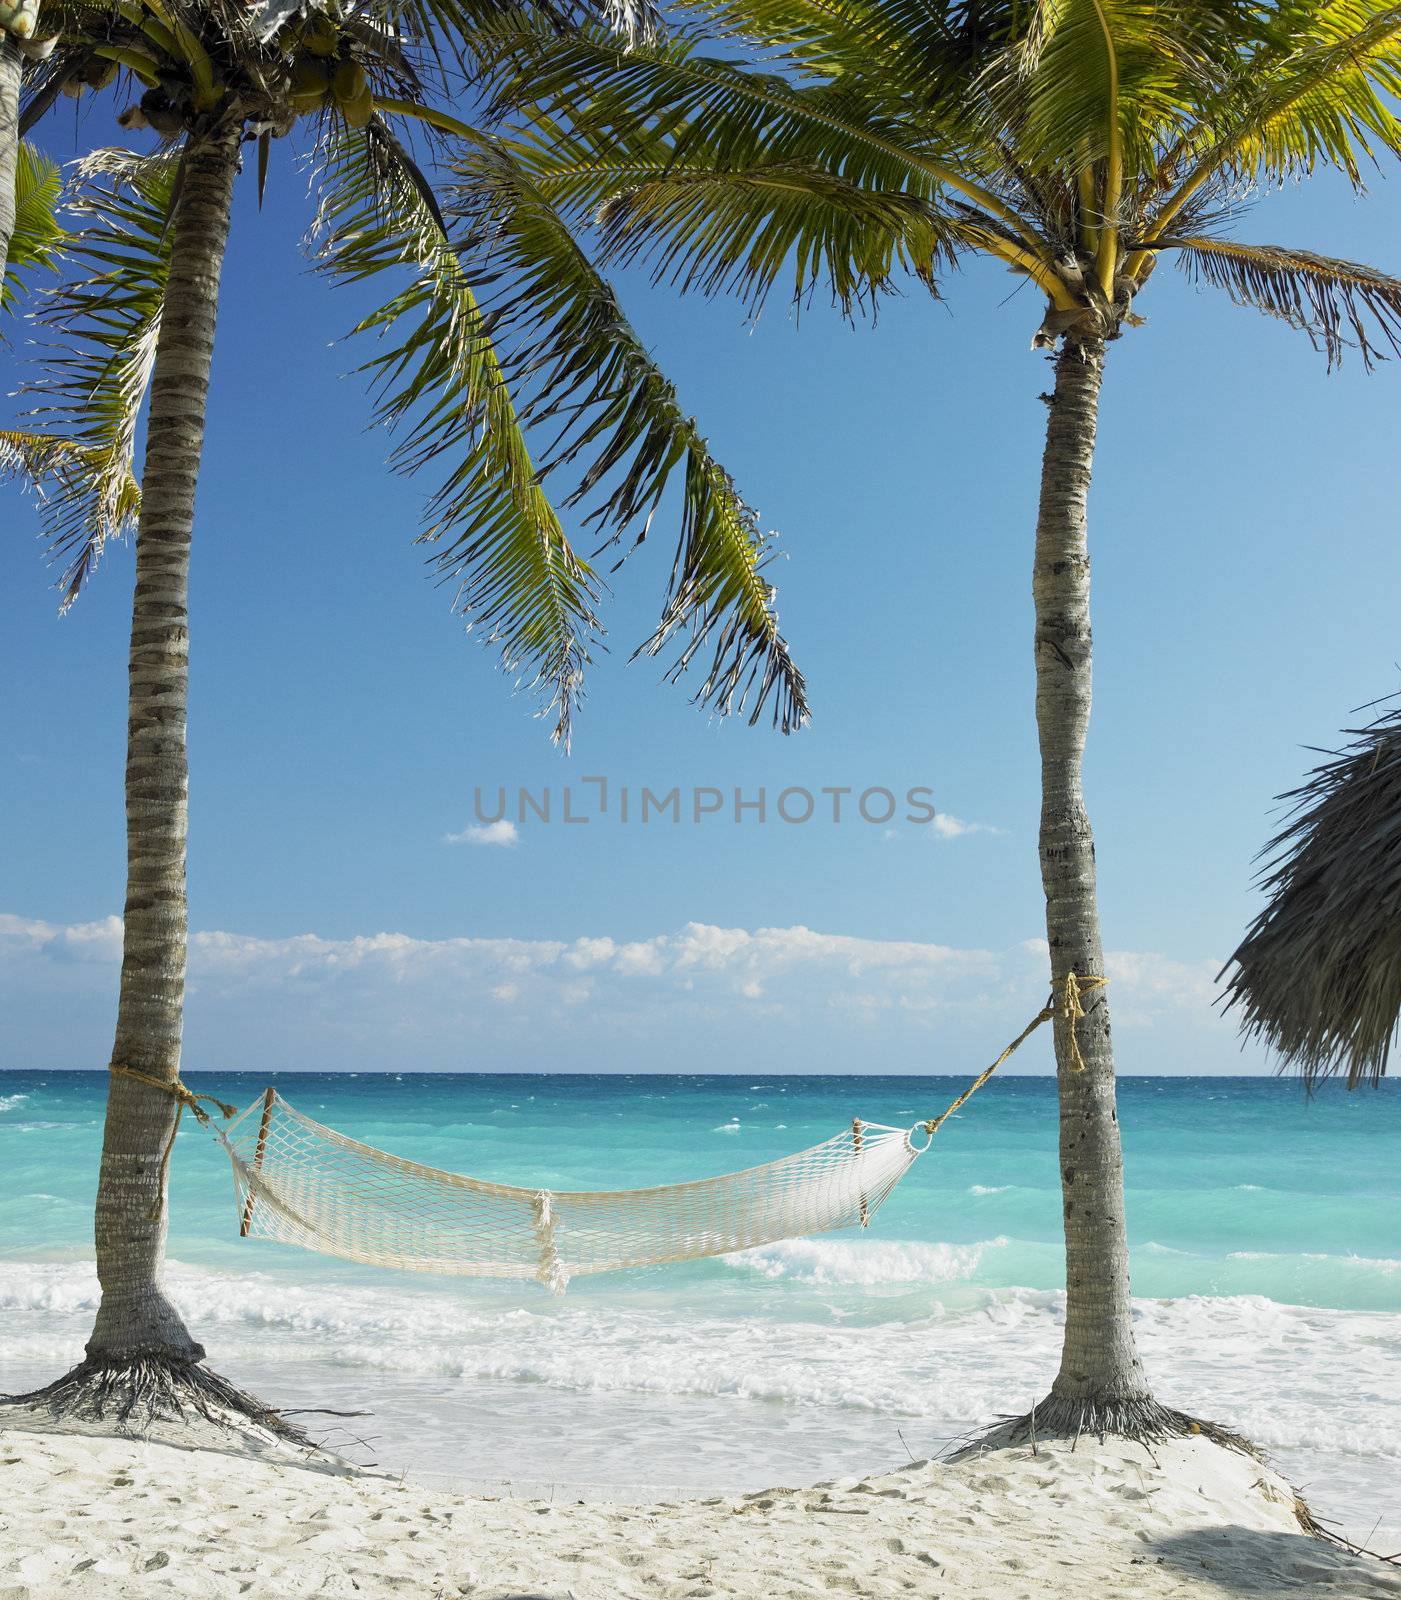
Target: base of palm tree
pixel 1145 1421
pixel 1140 1418
pixel 136 1391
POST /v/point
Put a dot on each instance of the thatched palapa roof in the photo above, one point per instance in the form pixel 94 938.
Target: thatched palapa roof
pixel 1318 975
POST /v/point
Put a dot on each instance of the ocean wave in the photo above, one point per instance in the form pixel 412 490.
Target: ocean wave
pixel 988 1188
pixel 8 1102
pixel 1384 1265
pixel 829 1262
pixel 1296 1379
pixel 1283 1374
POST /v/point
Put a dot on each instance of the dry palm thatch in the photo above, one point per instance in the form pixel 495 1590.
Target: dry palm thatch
pixel 1318 975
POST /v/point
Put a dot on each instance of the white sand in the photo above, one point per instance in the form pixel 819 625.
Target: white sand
pixel 85 1517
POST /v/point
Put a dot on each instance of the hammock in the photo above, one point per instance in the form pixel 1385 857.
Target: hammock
pixel 302 1183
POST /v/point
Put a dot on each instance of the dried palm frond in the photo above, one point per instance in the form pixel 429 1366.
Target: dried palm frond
pixel 1336 303
pixel 1318 976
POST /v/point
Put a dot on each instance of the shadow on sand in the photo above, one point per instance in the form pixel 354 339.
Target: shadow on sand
pixel 1268 1565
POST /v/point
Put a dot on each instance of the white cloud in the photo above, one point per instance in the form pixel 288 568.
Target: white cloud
pixel 813 1001
pixel 503 833
pixel 642 958
pixel 950 827
pixel 74 941
pixel 1155 988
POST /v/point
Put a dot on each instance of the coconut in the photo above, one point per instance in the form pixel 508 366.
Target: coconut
pixel 310 76
pixel 348 82
pixel 358 111
pixel 322 37
pixel 310 84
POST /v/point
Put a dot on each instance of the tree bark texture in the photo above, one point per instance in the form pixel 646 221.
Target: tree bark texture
pixel 1100 1367
pixel 11 66
pixel 134 1318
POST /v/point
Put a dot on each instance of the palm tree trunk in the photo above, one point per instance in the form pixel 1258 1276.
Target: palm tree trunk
pixel 11 66
pixel 135 1320
pixel 1101 1382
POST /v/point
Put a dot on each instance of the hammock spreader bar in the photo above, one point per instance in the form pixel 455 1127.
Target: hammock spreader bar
pixel 302 1183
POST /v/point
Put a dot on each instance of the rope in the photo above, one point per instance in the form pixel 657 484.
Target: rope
pixel 177 1091
pixel 1074 988
pixel 183 1096
pixel 1072 1012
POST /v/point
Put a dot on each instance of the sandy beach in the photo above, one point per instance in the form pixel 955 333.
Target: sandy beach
pixel 195 1515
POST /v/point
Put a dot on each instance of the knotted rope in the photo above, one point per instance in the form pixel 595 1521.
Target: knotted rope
pixel 177 1091
pixel 1071 1009
pixel 183 1096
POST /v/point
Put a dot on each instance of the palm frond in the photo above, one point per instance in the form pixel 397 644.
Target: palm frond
pixel 1095 80
pixel 1318 976
pixel 925 55
pixel 1336 303
pixel 621 429
pixel 518 579
pixel 1318 86
pixel 55 468
pixel 38 234
pixel 1333 100
pixel 104 325
pixel 701 109
pixel 742 232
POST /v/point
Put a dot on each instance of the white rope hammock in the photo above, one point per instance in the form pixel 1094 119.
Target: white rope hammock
pixel 302 1183
pixel 305 1184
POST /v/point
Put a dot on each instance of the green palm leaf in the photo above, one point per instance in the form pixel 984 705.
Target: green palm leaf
pixel 741 232
pixel 622 431
pixel 1319 88
pixel 38 234
pixel 107 320
pixel 513 335
pixel 518 579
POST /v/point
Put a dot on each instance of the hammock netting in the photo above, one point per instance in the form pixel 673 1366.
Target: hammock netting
pixel 305 1184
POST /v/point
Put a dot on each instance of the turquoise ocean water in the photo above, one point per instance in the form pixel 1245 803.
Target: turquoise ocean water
pixel 1266 1234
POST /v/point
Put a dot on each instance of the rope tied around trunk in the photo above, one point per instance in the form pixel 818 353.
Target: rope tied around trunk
pixel 1071 1009
pixel 183 1096
pixel 177 1091
pixel 1074 988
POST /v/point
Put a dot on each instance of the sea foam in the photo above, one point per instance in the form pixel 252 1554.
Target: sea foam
pixel 868 1263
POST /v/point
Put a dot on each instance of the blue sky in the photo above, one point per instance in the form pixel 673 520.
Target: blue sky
pixel 1246 569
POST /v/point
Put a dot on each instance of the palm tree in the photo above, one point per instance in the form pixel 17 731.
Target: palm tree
pixel 466 367
pixel 1078 143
